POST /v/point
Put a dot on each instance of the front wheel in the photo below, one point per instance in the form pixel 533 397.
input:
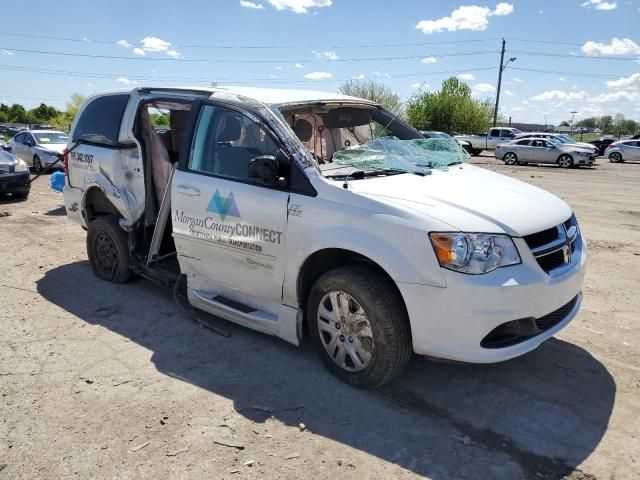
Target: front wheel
pixel 108 250
pixel 475 153
pixel 37 164
pixel 565 161
pixel 359 326
pixel 615 157
pixel 510 158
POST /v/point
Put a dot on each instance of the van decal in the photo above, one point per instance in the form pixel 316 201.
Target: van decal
pixel 223 206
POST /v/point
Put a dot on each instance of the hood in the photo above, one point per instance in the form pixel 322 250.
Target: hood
pixel 7 160
pixel 579 146
pixel 470 199
pixel 54 147
pixel 586 146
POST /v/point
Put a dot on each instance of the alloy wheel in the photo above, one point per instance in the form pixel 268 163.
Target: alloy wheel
pixel 345 331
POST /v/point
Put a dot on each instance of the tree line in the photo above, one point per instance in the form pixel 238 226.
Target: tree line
pixel 617 124
pixel 43 114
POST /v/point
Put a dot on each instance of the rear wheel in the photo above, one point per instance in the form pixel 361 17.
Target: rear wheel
pixel 510 158
pixel 20 194
pixel 565 161
pixel 37 164
pixel 615 157
pixel 475 153
pixel 359 326
pixel 108 250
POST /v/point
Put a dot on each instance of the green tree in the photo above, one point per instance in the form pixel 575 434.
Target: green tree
pixel 18 114
pixel 590 122
pixel 452 109
pixel 43 113
pixel 64 119
pixel 374 91
pixel 606 123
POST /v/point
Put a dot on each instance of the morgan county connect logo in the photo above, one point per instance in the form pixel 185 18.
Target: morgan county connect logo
pixel 223 206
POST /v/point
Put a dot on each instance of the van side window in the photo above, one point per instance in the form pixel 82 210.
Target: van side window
pixel 226 141
pixel 100 120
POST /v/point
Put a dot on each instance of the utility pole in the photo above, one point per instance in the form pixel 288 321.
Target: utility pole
pixel 500 70
pixel 573 120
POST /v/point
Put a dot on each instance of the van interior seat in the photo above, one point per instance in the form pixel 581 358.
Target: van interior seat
pixel 177 124
pixel 232 161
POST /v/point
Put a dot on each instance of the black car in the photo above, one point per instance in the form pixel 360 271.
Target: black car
pixel 430 134
pixel 14 176
pixel 602 144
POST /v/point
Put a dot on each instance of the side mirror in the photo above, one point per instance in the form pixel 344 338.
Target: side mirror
pixel 6 148
pixel 264 170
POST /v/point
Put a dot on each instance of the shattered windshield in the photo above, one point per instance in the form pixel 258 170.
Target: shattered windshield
pixel 390 155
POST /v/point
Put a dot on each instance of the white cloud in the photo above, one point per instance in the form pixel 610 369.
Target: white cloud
pixel 518 109
pixel 360 77
pixel 278 67
pixel 151 44
pixel 299 65
pixel 559 95
pixel 429 60
pixel 508 93
pixel 600 4
pixel 465 17
pixel 617 96
pixel 380 74
pixel 625 82
pixel 299 6
pixel 318 76
pixel 253 5
pixel 8 53
pixel 467 77
pixel 626 46
pixel 518 80
pixel 325 55
pixel 562 79
pixel 483 88
pixel 125 81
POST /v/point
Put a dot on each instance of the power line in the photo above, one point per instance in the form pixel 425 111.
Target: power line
pixel 260 47
pixel 569 55
pixel 573 74
pixel 233 60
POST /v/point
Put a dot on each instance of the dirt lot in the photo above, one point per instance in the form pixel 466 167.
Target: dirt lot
pixel 110 381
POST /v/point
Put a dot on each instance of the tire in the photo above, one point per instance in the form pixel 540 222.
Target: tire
pixel 108 250
pixel 377 347
pixel 510 158
pixel 22 195
pixel 475 153
pixel 615 157
pixel 37 164
pixel 565 161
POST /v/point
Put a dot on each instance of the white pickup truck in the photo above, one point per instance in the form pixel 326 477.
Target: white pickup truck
pixel 494 137
pixel 300 213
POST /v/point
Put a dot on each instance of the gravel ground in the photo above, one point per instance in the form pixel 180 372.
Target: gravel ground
pixel 115 381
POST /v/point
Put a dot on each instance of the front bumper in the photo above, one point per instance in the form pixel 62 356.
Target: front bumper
pixel 452 322
pixel 14 182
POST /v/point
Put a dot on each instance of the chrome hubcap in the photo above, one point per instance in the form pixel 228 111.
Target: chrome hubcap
pixel 345 331
pixel 565 162
pixel 510 159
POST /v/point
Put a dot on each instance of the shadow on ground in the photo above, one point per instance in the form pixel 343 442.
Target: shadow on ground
pixel 541 414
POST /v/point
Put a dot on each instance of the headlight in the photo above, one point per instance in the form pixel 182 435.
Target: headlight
pixel 474 253
pixel 51 153
pixel 21 166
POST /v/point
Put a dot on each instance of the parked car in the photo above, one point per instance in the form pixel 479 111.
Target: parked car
pixel 602 144
pixel 621 151
pixel 493 138
pixel 429 134
pixel 562 139
pixel 289 214
pixel 14 175
pixel 539 150
pixel 39 148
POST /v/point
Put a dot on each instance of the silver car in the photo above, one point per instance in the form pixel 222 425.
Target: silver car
pixel 560 138
pixel 39 148
pixel 625 150
pixel 538 150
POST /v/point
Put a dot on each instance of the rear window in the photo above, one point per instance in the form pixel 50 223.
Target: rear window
pixel 100 120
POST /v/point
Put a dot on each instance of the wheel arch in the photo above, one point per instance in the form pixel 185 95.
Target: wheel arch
pixel 322 261
pixel 95 203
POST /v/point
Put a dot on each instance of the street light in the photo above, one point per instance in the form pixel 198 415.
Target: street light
pixel 573 120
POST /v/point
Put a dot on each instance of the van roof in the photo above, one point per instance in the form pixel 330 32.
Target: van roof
pixel 270 96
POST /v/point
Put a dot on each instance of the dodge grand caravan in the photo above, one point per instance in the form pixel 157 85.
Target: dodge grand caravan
pixel 306 213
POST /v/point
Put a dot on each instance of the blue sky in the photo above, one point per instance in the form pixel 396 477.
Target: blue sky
pixel 593 45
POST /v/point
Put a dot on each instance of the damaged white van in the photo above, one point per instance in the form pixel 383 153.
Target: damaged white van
pixel 306 213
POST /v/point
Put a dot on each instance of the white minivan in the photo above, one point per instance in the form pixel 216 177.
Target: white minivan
pixel 307 213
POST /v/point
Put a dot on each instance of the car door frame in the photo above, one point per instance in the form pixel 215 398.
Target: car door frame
pixel 276 318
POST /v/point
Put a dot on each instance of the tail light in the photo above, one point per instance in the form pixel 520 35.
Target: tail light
pixel 65 158
pixel 613 145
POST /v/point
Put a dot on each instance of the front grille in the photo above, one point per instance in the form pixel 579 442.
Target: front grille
pixel 544 237
pixel 517 331
pixel 554 247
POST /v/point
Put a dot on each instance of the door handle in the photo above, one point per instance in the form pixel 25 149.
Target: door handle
pixel 188 190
